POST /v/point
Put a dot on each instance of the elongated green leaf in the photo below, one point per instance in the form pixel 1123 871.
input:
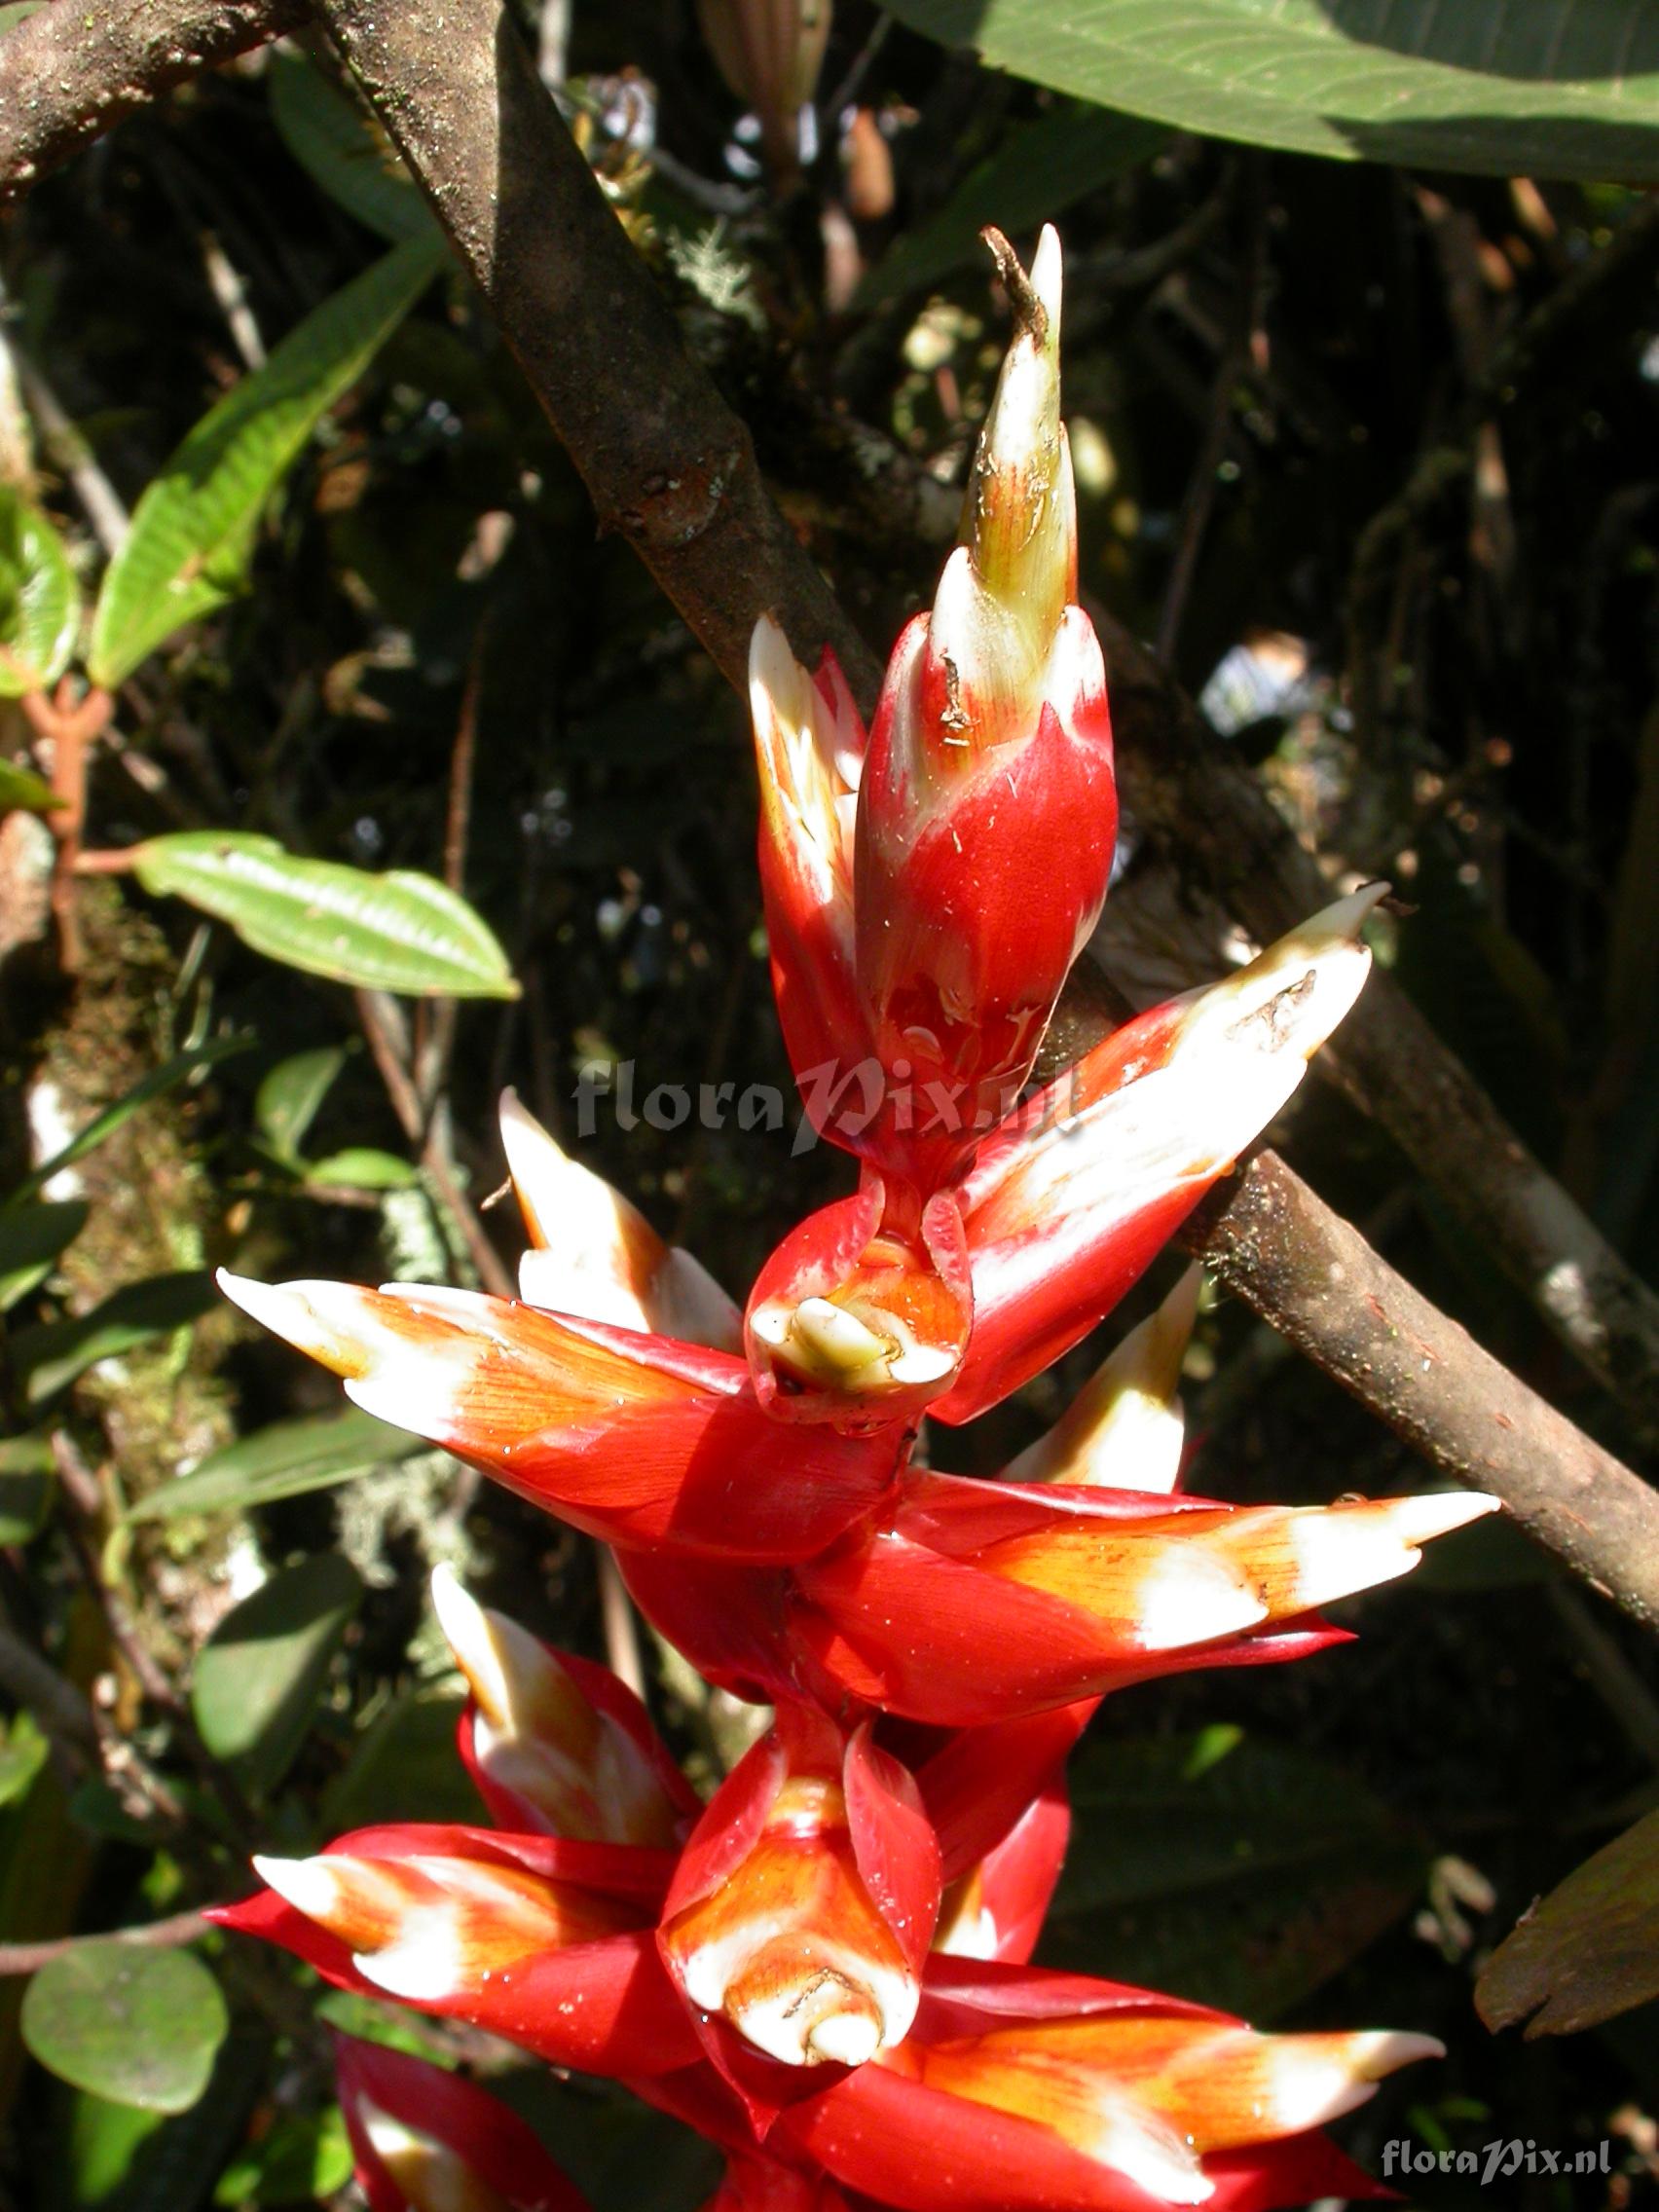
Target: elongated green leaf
pixel 22 1754
pixel 260 1672
pixel 301 2159
pixel 1504 87
pixel 21 788
pixel 362 1168
pixel 168 1077
pixel 140 2027
pixel 284 1460
pixel 27 1478
pixel 194 529
pixel 50 1356
pixel 31 1238
pixel 1590 1950
pixel 342 151
pixel 40 603
pixel 1221 1867
pixel 1040 169
pixel 398 932
pixel 405 1767
pixel 290 1095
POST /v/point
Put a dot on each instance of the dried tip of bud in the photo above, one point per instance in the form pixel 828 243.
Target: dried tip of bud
pixel 1034 298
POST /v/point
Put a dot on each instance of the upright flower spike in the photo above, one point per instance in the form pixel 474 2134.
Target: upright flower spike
pixel 424 2140
pixel 597 1258
pixel 976 1603
pixel 1070 1201
pixel 1124 1430
pixel 1020 2090
pixel 634 1439
pixel 557 1745
pixel 988 811
pixel 804 1902
pixel 809 746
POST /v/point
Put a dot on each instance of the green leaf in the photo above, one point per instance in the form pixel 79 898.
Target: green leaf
pixel 137 2026
pixel 179 1069
pixel 22 1754
pixel 1502 88
pixel 107 2157
pixel 260 1674
pixel 27 1479
pixel 31 1239
pixel 40 603
pixel 343 152
pixel 21 790
pixel 1224 1868
pixel 398 932
pixel 52 1355
pixel 360 1168
pixel 284 1460
pixel 1590 1950
pixel 302 2159
pixel 405 1768
pixel 192 531
pixel 1038 169
pixel 290 1095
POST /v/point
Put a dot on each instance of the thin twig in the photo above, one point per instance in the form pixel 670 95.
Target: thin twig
pixel 155 1935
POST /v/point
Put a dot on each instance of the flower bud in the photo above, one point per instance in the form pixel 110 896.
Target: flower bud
pixel 809 746
pixel 769 53
pixel 424 2140
pixel 987 812
pixel 806 1897
pixel 860 1317
pixel 556 1746
pixel 1125 1430
pixel 596 1257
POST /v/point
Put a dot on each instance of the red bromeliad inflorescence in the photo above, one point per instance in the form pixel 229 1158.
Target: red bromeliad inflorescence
pixel 825 1968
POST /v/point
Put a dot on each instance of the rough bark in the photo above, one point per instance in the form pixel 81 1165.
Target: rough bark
pixel 1310 1274
pixel 69 72
pixel 667 462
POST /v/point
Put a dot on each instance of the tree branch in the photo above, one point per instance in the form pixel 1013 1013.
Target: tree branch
pixel 666 462
pixel 1311 1275
pixel 70 72
pixel 1213 824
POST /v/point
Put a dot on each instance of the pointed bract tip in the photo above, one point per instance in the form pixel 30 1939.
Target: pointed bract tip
pixel 1045 275
pixel 466 1624
pixel 308 1885
pixel 289 1311
pixel 1315 2079
pixel 1437 1512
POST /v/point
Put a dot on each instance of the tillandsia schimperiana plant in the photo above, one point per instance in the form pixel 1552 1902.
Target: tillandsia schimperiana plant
pixel 825 1968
